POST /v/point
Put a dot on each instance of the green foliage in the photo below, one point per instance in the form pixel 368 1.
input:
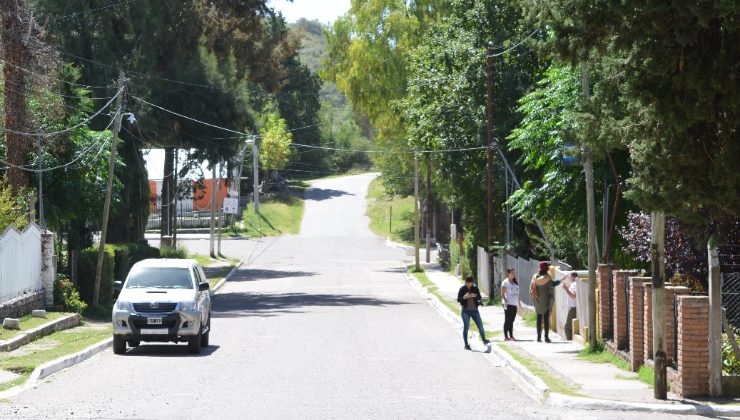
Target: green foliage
pixel 177 252
pixel 128 254
pixel 87 264
pixel 673 81
pixel 275 142
pixel 67 295
pixel 730 361
pixel 13 208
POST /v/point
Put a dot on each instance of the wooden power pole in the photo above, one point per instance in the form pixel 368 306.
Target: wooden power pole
pixel 588 167
pixel 15 36
pixel 657 241
pixel 428 219
pixel 489 154
pixel 256 175
pixel 109 189
pixel 416 212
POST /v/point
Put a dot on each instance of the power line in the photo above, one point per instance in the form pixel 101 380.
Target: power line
pixel 186 117
pixel 515 45
pixel 66 130
pixel 81 13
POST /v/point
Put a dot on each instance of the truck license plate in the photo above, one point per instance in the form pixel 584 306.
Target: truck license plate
pixel 154 321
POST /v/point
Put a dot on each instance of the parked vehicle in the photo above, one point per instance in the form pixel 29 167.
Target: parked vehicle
pixel 162 300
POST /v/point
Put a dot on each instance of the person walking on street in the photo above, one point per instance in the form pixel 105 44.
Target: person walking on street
pixel 470 299
pixel 510 296
pixel 570 289
pixel 543 292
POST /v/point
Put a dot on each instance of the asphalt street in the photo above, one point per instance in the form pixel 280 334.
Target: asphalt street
pixel 320 325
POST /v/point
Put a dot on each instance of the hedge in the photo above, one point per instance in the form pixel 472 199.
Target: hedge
pixel 87 263
pixel 128 254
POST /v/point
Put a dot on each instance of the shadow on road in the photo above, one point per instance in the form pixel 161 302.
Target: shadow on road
pixel 321 194
pixel 235 305
pixel 253 274
pixel 169 350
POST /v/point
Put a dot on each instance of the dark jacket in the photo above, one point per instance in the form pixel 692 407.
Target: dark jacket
pixel 464 289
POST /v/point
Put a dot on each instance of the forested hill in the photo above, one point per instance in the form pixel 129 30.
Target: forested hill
pixel 314 44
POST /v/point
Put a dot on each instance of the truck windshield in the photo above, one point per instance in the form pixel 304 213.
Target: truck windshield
pixel 160 278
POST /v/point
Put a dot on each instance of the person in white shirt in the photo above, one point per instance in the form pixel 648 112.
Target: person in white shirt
pixel 510 297
pixel 570 289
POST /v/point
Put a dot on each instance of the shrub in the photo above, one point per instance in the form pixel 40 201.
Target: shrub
pixel 173 252
pixel 128 254
pixel 86 280
pixel 67 295
pixel 730 362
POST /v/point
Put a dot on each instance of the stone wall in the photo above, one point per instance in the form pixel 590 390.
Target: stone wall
pixel 23 305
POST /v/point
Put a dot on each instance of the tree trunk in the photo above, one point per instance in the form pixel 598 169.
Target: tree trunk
pixel 17 56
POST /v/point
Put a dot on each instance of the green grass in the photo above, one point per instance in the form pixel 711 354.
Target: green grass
pixel 603 357
pixel 280 216
pixel 401 226
pixel 69 342
pixel 28 322
pixel 647 375
pixel 552 381
pixel 530 319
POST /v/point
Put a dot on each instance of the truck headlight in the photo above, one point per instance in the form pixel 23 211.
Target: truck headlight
pixel 123 306
pixel 188 306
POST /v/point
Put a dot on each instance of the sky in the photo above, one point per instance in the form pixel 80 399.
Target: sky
pixel 325 11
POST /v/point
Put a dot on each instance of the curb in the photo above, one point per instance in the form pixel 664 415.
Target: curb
pixel 223 281
pixel 539 391
pixel 49 368
pixel 43 330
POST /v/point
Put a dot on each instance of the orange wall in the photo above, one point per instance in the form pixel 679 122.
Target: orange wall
pixel 202 198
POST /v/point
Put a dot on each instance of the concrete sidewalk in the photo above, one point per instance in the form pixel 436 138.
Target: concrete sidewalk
pixel 577 383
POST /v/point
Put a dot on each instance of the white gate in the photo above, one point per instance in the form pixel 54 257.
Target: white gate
pixel 20 262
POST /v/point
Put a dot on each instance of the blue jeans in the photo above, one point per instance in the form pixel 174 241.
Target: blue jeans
pixel 466 315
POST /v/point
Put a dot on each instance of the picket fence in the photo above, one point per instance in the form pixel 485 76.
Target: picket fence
pixel 20 262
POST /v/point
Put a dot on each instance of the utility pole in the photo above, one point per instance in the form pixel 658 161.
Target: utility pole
pixel 588 167
pixel 715 322
pixel 428 220
pixel 489 163
pixel 15 29
pixel 256 166
pixel 42 222
pixel 416 212
pixel 213 212
pixel 657 241
pixel 109 188
pixel 220 200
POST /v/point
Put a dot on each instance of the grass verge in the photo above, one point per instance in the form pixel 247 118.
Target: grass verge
pixel 530 320
pixel 552 381
pixel 61 343
pixel 28 322
pixel 398 224
pixel 279 216
pixel 645 374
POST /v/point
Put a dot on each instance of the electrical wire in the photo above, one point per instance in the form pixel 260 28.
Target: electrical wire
pixel 66 130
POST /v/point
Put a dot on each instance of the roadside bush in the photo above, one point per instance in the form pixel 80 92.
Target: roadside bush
pixel 128 254
pixel 67 296
pixel 86 279
pixel 730 362
pixel 173 252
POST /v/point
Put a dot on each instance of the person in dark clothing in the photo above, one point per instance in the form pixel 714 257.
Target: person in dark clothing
pixel 469 298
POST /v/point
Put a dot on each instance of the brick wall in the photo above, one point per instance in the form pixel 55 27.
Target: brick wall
pixel 647 324
pixel 693 349
pixel 670 292
pixel 604 272
pixel 637 320
pixel 619 297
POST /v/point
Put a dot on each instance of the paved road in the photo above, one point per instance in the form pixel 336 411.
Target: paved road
pixel 320 325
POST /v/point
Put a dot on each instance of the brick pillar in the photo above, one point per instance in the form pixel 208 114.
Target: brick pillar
pixel 693 347
pixel 648 320
pixel 637 320
pixel 619 297
pixel 670 292
pixel 604 273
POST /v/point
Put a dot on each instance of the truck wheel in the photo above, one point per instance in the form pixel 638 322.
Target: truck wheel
pixel 119 344
pixel 194 344
pixel 205 338
pixel 134 343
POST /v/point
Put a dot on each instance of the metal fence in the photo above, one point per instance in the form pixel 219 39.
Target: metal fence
pixel 731 296
pixel 20 262
pixel 187 218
